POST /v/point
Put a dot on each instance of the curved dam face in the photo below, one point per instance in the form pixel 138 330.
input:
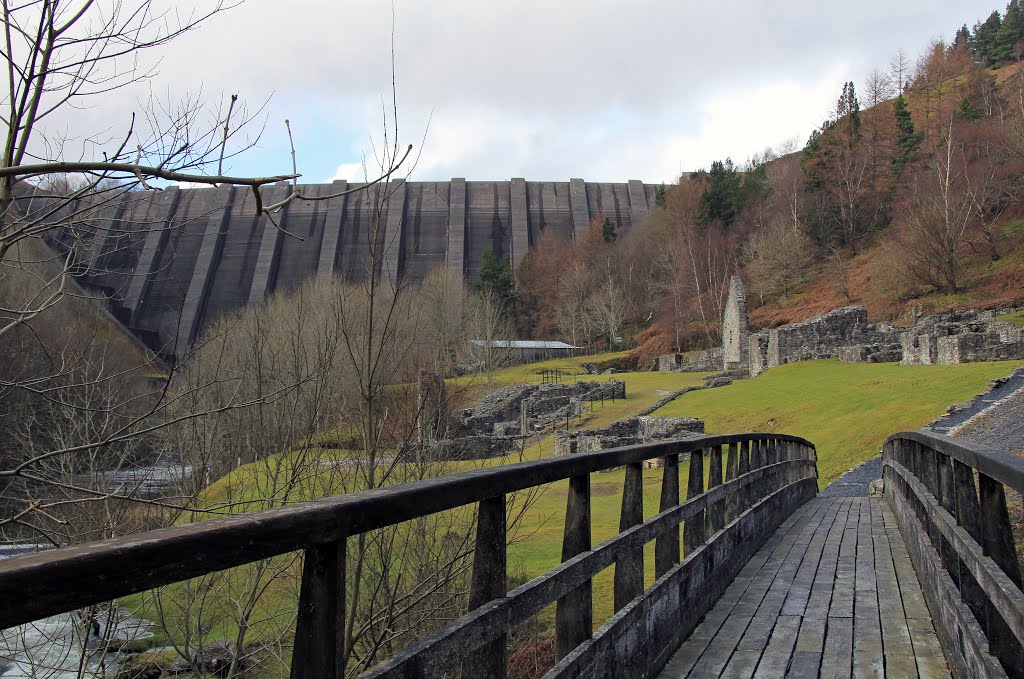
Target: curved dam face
pixel 172 261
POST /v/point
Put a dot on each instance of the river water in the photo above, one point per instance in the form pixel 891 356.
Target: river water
pixel 53 648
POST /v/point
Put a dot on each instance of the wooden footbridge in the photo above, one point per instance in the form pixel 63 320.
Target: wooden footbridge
pixel 755 576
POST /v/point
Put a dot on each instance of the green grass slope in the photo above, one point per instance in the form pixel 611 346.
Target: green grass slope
pixel 846 409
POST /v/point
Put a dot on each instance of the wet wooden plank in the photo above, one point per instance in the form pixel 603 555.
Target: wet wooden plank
pixel 833 594
pixel 868 653
pixel 779 650
pixel 682 663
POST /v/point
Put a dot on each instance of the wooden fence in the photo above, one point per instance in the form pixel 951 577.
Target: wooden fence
pixel 753 482
pixel 950 501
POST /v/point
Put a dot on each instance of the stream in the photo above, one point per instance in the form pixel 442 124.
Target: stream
pixel 52 648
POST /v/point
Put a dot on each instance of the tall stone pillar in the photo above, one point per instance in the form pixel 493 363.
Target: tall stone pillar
pixel 735 328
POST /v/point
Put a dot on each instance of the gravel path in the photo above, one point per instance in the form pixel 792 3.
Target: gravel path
pixel 1000 426
pixel 854 482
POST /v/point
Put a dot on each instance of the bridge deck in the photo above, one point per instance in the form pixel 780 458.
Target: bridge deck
pixel 808 604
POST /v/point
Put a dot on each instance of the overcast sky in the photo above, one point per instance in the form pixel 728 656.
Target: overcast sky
pixel 544 89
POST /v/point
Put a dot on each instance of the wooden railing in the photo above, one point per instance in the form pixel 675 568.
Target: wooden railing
pixel 748 492
pixel 950 501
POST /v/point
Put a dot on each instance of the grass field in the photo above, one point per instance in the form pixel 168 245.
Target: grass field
pixel 846 409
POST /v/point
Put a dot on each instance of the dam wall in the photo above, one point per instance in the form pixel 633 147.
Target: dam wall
pixel 170 262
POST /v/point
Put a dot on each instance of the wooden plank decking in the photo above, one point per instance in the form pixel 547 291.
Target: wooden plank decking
pixel 831 594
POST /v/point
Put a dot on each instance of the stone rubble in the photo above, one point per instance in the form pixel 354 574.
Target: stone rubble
pixel 632 431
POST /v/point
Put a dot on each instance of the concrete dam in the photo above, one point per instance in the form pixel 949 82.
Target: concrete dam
pixel 170 262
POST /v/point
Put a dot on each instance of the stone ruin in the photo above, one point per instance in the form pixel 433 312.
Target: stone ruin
pixel 708 360
pixel 643 429
pixel 824 336
pixel 955 337
pixel 961 337
pixel 732 355
pixel 503 420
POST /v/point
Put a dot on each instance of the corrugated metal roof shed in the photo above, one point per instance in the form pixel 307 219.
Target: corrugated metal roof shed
pixel 524 344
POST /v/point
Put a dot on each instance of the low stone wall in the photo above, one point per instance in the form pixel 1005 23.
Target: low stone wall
pixel 632 431
pixel 475 447
pixel 708 360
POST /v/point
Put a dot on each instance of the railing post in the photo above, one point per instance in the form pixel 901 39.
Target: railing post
pixel 968 515
pixel 744 466
pixel 488 583
pixel 998 544
pixel 693 530
pixel 732 470
pixel 716 512
pixel 574 612
pixel 320 629
pixel 666 546
pixel 629 568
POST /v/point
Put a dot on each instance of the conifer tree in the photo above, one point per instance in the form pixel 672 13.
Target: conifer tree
pixel 496 279
pixel 723 196
pixel 969 111
pixel 1010 33
pixel 608 230
pixel 983 39
pixel 661 196
pixel 962 39
pixel 907 139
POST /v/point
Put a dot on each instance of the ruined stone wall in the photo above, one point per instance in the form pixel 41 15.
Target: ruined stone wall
pixel 708 360
pixel 824 336
pixel 961 337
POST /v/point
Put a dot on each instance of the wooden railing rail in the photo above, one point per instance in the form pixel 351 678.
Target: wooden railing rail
pixel 723 521
pixel 950 501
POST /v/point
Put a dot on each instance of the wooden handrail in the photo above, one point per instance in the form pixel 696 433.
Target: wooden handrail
pixel 767 475
pixel 949 500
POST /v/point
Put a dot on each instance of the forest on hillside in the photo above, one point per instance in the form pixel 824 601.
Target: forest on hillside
pixel 907 194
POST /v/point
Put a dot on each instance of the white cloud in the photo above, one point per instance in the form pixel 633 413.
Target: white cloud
pixel 742 124
pixel 352 172
pixel 601 89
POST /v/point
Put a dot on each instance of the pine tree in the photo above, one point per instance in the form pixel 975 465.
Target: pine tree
pixel 962 39
pixel 496 278
pixel 907 140
pixel 661 197
pixel 983 39
pixel 608 231
pixel 1011 32
pixel 848 108
pixel 968 111
pixel 723 196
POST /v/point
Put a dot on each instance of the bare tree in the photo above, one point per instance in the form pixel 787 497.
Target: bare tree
pixel 939 217
pixel 879 87
pixel 899 70
pixel 489 331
